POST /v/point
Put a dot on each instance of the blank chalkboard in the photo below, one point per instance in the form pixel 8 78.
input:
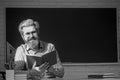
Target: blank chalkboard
pixel 80 35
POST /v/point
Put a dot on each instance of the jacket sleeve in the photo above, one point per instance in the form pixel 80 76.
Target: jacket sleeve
pixel 57 69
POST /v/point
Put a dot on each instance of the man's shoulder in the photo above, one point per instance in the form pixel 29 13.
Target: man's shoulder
pixel 20 47
pixel 48 46
pixel 46 43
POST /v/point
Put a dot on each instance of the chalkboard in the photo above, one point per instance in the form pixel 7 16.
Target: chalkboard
pixel 80 35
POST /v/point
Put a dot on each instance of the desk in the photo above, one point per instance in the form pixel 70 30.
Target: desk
pixel 53 79
pixel 82 79
pixel 50 79
pixel 89 79
pixel 11 75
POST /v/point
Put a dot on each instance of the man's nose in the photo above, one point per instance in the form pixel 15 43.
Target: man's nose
pixel 31 34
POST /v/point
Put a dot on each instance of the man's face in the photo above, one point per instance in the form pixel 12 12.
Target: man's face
pixel 30 35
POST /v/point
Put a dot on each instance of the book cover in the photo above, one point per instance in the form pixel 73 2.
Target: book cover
pixel 49 57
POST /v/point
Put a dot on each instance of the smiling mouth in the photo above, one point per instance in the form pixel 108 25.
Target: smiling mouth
pixel 32 39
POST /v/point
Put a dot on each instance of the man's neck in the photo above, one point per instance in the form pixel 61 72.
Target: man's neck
pixel 37 47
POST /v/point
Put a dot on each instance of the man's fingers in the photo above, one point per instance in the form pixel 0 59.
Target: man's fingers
pixel 44 66
pixel 34 65
pixel 41 69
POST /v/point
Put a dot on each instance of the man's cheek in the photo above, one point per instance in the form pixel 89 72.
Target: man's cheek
pixel 26 38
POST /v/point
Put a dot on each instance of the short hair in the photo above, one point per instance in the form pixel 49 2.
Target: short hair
pixel 27 23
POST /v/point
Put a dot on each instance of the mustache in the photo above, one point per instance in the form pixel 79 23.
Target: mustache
pixel 33 38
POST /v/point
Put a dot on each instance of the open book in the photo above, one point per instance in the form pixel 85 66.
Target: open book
pixel 49 57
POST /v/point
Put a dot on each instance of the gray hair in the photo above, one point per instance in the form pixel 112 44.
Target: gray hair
pixel 27 23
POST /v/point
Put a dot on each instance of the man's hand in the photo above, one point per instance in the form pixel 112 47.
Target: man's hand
pixel 38 71
pixel 57 70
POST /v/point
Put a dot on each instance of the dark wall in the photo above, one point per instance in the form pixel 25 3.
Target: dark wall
pixel 83 35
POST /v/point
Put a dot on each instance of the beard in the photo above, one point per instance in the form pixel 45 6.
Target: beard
pixel 33 43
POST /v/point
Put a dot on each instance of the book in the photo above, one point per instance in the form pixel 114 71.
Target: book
pixel 48 57
pixel 20 75
pixel 104 76
pixel 9 74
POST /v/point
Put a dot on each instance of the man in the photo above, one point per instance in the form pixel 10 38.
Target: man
pixel 29 31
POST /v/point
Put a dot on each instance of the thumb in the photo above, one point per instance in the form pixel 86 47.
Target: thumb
pixel 34 65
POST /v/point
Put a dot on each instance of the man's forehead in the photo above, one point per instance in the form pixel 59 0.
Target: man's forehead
pixel 29 29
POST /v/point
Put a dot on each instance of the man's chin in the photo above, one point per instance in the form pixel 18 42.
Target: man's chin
pixel 32 43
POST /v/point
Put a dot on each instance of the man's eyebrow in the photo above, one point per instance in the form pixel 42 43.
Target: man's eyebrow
pixel 34 31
